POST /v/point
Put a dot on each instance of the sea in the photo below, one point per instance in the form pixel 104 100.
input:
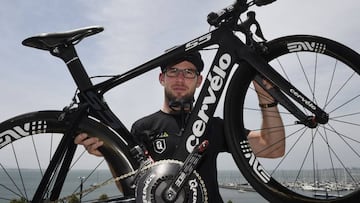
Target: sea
pixel 72 185
pixel 88 178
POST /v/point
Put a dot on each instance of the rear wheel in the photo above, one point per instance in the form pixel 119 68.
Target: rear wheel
pixel 320 164
pixel 28 143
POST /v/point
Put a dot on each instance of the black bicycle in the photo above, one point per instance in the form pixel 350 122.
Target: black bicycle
pixel 316 84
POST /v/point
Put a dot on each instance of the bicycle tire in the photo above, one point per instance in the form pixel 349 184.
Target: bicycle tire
pixel 41 130
pixel 331 151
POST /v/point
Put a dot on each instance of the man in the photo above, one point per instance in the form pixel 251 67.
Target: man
pixel 180 80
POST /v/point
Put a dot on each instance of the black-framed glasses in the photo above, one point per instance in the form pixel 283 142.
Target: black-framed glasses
pixel 187 73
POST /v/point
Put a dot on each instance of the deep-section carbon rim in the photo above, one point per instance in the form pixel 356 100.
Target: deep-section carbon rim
pixel 28 143
pixel 320 164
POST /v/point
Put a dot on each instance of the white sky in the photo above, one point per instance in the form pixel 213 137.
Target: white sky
pixel 135 31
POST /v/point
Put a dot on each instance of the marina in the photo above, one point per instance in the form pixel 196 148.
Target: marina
pixel 322 185
pixel 320 190
pixel 233 186
pixel 245 187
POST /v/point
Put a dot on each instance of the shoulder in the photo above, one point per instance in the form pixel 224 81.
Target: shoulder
pixel 147 119
pixel 151 121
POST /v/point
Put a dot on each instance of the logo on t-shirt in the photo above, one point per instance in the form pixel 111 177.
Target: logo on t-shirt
pixel 159 145
pixel 159 142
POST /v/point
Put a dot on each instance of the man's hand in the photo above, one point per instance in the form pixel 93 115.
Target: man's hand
pixel 91 144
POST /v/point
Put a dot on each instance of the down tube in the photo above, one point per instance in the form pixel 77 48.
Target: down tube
pixel 267 71
pixel 207 101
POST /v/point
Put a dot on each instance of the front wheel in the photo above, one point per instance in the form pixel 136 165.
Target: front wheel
pixel 320 164
pixel 27 145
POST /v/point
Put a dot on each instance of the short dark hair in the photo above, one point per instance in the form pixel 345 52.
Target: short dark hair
pixel 192 57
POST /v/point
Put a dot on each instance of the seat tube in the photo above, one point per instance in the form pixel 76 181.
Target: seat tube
pixel 69 56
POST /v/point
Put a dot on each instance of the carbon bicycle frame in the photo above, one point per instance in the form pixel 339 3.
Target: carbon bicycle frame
pixel 231 51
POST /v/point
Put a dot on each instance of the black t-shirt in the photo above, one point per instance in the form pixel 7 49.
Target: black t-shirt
pixel 163 130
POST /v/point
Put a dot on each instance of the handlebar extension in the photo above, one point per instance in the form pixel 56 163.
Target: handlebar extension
pixel 234 11
pixel 263 2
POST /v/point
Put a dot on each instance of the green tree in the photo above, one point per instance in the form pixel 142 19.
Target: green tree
pixel 103 197
pixel 74 199
pixel 21 200
pixel 229 201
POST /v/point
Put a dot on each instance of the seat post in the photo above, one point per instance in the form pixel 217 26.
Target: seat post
pixel 68 54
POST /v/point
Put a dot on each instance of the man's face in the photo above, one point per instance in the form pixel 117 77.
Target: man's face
pixel 180 87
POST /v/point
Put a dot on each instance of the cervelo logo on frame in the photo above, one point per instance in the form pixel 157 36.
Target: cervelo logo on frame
pixel 18 132
pixel 216 83
pixel 305 101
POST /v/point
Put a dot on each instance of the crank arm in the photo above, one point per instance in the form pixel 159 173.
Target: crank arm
pixel 185 171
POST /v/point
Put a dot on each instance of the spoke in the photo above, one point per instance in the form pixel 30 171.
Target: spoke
pixel 342 105
pixel 330 157
pixel 77 159
pixel 347 122
pixel 313 135
pixel 337 156
pixel 305 75
pixel 342 86
pixel 269 99
pixel 274 127
pixel 315 76
pixel 12 180
pixel 305 158
pixel 10 190
pixel 292 147
pixel 331 83
pixel 283 69
pixel 259 110
pixel 36 154
pixel 272 144
pixel 90 174
pixel 18 168
pixel 341 116
pixel 340 136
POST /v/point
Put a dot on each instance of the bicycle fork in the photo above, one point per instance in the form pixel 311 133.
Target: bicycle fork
pixel 275 92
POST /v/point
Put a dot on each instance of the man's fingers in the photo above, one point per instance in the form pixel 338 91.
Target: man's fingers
pixel 93 148
pixel 90 141
pixel 91 144
pixel 80 138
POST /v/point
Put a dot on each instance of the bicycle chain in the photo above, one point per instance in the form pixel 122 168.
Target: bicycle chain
pixel 97 186
pixel 124 176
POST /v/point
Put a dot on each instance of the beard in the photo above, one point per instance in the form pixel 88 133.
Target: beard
pixel 171 97
pixel 176 103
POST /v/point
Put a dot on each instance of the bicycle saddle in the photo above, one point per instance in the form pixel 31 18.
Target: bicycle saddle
pixel 48 41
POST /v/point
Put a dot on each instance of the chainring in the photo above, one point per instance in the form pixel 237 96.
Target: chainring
pixel 155 178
